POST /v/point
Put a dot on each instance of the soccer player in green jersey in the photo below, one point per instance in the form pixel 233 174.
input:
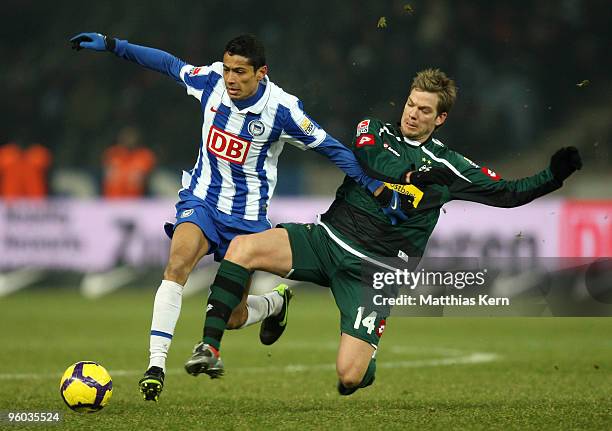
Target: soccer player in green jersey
pixel 354 231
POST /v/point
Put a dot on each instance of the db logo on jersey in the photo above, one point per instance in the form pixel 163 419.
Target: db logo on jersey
pixel 381 328
pixel 227 146
pixel 491 174
pixel 364 140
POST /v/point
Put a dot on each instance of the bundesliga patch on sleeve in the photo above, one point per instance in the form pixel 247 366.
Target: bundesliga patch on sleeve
pixel 364 140
pixel 363 127
pixel 491 174
pixel 307 126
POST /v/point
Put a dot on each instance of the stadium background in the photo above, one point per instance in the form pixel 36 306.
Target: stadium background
pixel 533 76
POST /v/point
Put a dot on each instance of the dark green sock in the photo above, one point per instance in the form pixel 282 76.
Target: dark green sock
pixel 368 378
pixel 225 294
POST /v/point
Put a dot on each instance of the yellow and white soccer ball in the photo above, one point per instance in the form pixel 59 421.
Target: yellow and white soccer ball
pixel 86 387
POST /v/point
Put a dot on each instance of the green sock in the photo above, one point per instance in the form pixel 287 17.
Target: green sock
pixel 225 294
pixel 368 378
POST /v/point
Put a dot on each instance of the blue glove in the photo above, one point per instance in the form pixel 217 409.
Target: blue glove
pixel 95 41
pixel 391 205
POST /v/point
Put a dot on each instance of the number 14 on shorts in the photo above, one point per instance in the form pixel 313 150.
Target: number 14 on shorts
pixel 369 321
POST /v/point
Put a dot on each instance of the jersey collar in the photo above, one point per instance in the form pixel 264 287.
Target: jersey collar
pixel 398 133
pixel 258 107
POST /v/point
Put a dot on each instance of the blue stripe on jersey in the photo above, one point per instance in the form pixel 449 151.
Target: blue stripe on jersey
pixel 214 78
pixel 277 129
pixel 242 190
pixel 214 189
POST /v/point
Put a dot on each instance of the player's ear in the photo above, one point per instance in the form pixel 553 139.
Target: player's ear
pixel 261 72
pixel 441 118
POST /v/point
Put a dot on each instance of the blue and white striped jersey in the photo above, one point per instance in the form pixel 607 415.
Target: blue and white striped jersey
pixel 236 167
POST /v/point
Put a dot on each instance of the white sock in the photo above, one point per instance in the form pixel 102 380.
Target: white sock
pixel 166 310
pixel 260 307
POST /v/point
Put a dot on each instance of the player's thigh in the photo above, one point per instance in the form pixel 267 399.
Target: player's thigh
pixel 268 251
pixel 353 359
pixel 360 316
pixel 188 246
pixel 312 260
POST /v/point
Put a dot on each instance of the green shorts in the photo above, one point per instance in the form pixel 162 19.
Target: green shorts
pixel 318 259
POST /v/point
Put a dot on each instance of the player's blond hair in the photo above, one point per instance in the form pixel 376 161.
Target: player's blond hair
pixel 436 81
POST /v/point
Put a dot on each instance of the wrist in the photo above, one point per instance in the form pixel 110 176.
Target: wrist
pixel 378 191
pixel 110 43
pixel 406 177
pixel 383 196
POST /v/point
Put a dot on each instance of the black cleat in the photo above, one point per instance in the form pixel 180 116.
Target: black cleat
pixel 205 359
pixel 273 327
pixel 152 384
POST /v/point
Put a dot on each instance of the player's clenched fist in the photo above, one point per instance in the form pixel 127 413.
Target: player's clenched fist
pixel 565 162
pixel 436 175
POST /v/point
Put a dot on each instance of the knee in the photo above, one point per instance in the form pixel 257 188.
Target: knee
pixel 238 317
pixel 177 270
pixel 350 376
pixel 241 252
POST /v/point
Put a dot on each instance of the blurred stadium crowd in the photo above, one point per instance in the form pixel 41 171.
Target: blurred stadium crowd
pixel 532 75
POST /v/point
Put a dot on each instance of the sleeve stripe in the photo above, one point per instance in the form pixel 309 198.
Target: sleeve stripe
pixel 446 162
pixel 185 70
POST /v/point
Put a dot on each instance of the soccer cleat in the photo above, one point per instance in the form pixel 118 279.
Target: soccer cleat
pixel 205 359
pixel 152 383
pixel 343 390
pixel 273 327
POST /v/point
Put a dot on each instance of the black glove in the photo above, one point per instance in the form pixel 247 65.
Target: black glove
pixel 565 162
pixel 392 205
pixel 95 41
pixel 440 176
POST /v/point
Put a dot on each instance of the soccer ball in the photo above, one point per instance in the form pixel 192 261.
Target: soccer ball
pixel 86 387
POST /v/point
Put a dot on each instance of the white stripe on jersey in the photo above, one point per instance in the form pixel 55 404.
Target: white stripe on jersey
pixel 446 162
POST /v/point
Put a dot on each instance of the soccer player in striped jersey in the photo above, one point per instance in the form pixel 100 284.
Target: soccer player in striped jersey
pixel 246 121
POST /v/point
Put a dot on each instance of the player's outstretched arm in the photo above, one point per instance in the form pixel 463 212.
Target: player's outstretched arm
pixel 151 58
pixel 485 186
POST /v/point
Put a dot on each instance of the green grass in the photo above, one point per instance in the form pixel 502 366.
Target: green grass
pixel 548 373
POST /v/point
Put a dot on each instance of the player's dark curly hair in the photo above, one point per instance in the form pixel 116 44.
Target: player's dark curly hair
pixel 247 45
pixel 436 81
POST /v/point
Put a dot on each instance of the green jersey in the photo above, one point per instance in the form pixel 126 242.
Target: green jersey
pixel 356 219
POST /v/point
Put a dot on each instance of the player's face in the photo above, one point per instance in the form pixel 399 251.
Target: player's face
pixel 241 79
pixel 420 116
